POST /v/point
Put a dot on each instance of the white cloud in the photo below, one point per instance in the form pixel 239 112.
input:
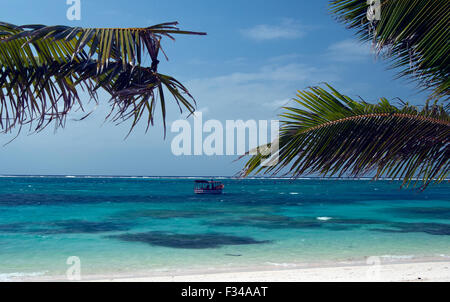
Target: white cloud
pixel 277 104
pixel 256 94
pixel 237 61
pixel 288 29
pixel 286 58
pixel 269 73
pixel 349 51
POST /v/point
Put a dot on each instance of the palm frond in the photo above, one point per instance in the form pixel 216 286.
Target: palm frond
pixel 48 93
pixel 42 93
pixel 330 134
pixel 413 34
pixel 104 44
pixel 42 68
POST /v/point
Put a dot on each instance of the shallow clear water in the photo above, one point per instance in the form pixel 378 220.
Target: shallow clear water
pixel 128 226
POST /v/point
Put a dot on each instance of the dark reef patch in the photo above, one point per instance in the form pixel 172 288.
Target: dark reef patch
pixel 64 227
pixel 81 226
pixel 405 227
pixel 335 224
pixel 161 214
pixel 192 213
pixel 187 241
pixel 31 199
pixel 285 222
pixel 16 227
pixel 420 212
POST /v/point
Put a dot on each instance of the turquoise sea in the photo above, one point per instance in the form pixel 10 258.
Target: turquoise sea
pixel 139 226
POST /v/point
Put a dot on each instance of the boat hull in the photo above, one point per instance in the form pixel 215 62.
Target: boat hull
pixel 204 192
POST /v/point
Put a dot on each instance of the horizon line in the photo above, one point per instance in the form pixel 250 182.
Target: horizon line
pixel 194 176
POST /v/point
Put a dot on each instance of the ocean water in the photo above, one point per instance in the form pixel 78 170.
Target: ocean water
pixel 122 227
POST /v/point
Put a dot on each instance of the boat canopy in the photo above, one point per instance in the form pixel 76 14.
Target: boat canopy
pixel 208 187
pixel 207 182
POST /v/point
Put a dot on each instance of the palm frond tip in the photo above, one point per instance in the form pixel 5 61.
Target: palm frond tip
pixel 42 68
pixel 413 34
pixel 330 134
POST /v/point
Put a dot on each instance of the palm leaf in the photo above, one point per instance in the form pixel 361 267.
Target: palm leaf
pixel 413 34
pixel 330 134
pixel 42 68
pixel 48 92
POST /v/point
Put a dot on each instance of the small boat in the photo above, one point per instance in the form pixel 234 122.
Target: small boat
pixel 208 187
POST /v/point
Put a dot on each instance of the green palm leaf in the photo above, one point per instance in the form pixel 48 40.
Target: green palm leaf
pixel 331 134
pixel 49 92
pixel 42 68
pixel 414 34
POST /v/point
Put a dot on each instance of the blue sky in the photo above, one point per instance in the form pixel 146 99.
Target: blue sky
pixel 256 55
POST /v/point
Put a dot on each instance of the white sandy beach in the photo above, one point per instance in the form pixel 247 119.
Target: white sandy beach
pixel 404 272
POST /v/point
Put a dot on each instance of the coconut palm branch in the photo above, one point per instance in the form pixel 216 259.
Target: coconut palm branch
pixel 330 134
pixel 44 67
pixel 414 34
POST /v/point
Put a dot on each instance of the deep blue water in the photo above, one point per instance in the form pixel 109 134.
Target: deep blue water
pixel 129 226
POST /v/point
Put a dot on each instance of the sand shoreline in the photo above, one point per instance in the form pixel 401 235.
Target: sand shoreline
pixel 402 271
pixel 419 272
pixel 433 271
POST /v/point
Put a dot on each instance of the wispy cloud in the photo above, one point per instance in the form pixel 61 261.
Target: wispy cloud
pixel 349 51
pixel 277 104
pixel 288 29
pixel 257 94
pixel 290 57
